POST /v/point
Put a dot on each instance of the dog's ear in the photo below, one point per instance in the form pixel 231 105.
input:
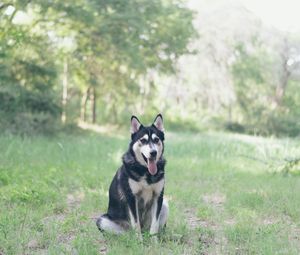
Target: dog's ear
pixel 135 124
pixel 158 123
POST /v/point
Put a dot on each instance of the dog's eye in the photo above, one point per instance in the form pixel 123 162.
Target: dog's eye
pixel 144 141
pixel 155 140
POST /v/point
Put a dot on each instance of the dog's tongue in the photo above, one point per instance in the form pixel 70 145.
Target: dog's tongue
pixel 152 168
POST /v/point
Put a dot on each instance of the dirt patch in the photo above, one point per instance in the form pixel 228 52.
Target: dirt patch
pixel 102 243
pixel 103 246
pixel 41 251
pixel 74 199
pixel 192 220
pixel 103 250
pixel 215 199
pixel 66 238
pixel 34 245
pixel 230 222
pixel 211 234
pixel 294 233
pixel 95 216
pixel 206 233
pixel 52 218
pixel 269 221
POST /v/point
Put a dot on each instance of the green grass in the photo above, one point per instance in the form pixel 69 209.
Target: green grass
pixel 224 197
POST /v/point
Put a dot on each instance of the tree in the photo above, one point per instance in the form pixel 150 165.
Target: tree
pixel 109 45
pixel 27 77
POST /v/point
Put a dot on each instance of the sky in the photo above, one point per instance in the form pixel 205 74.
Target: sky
pixel 282 14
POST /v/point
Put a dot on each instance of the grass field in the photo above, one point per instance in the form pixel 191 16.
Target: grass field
pixel 223 194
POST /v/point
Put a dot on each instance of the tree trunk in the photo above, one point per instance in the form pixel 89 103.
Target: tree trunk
pixel 281 88
pixel 93 100
pixel 284 79
pixel 84 100
pixel 64 92
pixel 229 116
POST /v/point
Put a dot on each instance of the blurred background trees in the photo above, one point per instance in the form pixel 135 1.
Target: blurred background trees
pixel 204 65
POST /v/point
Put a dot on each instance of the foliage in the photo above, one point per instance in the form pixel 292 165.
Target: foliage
pixel 108 46
pixel 255 90
pixel 27 78
pixel 101 61
pixel 243 77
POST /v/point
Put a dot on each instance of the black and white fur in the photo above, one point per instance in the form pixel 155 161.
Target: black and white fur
pixel 136 192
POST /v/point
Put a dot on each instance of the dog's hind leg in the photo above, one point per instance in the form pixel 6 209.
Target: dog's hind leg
pixel 163 214
pixel 108 225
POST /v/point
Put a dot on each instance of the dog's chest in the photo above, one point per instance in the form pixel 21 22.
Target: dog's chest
pixel 142 190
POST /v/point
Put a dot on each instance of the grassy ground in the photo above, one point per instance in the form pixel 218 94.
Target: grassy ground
pixel 223 196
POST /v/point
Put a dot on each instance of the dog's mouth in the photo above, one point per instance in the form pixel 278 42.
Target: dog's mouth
pixel 151 164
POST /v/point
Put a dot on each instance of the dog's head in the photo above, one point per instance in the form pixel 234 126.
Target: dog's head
pixel 147 142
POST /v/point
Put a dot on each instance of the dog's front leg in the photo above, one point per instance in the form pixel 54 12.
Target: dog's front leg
pixel 134 216
pixel 155 212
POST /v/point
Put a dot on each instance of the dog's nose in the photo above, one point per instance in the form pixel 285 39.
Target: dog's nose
pixel 153 153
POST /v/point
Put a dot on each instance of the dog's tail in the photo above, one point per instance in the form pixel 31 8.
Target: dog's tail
pixel 104 223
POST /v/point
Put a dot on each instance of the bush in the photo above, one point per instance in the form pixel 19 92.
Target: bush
pixel 234 127
pixel 272 124
pixel 27 112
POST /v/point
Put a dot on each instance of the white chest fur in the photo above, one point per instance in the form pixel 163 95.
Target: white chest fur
pixel 144 190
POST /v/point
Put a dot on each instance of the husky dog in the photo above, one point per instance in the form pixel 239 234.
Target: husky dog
pixel 136 192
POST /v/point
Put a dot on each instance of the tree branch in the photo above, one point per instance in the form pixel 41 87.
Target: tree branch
pixel 4 5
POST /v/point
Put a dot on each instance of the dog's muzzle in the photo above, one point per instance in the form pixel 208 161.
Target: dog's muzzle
pixel 151 162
